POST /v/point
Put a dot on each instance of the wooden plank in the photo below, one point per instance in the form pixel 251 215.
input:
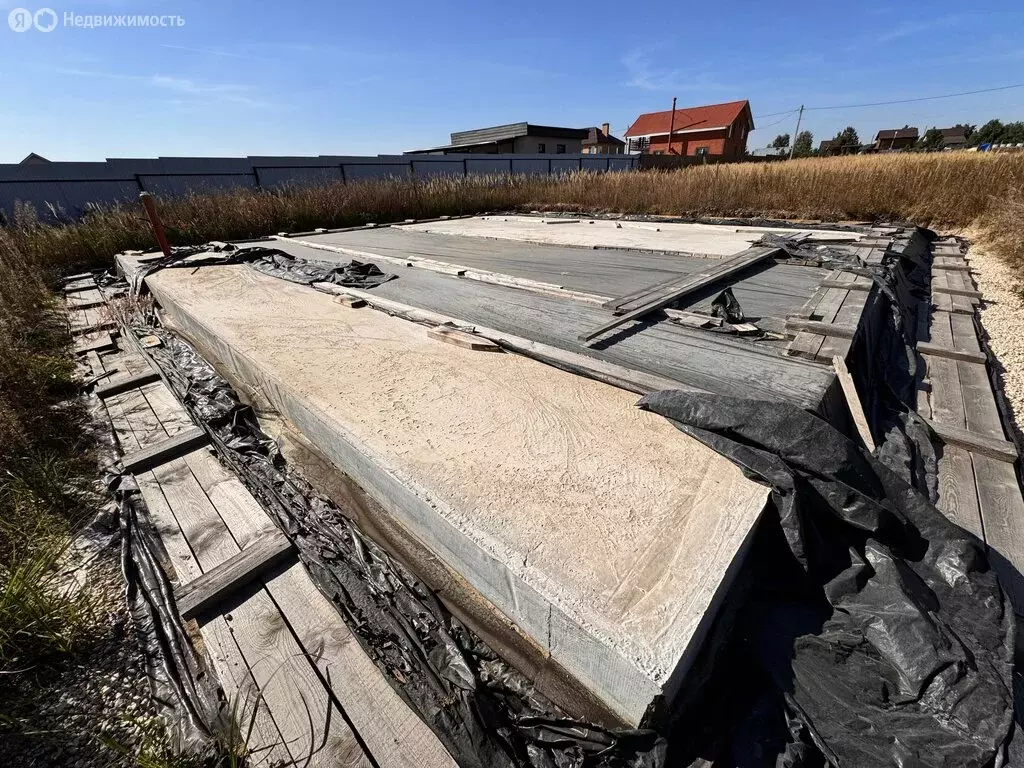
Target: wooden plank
pixel 853 403
pixel 265 742
pixel 927 348
pixel 965 335
pixel 129 382
pixel 200 595
pixel 351 301
pixel 981 413
pixel 822 328
pixel 945 399
pixel 165 451
pixel 955 263
pixel 103 341
pixel 846 285
pixel 290 687
pixel 958 492
pixel 806 345
pixel 84 285
pixel 710 277
pixel 975 442
pixel 957 291
pixel 1002 512
pixel 462 339
pixel 848 316
pixel 648 294
pixel 391 731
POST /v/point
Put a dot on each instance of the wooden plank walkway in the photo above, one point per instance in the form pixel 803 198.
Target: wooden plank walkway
pixel 978 486
pixel 826 325
pixel 279 647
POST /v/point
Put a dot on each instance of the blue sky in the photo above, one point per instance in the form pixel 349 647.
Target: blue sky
pixel 367 78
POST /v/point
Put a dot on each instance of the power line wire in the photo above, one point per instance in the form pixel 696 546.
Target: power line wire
pixel 921 98
pixel 889 103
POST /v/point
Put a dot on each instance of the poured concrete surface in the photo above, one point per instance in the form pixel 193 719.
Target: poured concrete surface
pixel 767 290
pixel 711 239
pixel 606 534
pixel 709 361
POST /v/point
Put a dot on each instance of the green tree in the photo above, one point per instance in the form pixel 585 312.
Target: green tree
pixel 803 144
pixel 1013 133
pixel 989 133
pixel 781 141
pixel 931 140
pixel 846 142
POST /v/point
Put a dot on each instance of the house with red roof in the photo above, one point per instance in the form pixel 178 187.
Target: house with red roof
pixel 715 130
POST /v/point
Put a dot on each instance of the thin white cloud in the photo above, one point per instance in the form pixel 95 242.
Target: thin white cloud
pixel 911 28
pixel 642 74
pixel 208 51
pixel 232 93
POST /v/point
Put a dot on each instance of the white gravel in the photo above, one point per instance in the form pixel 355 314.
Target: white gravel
pixel 1002 316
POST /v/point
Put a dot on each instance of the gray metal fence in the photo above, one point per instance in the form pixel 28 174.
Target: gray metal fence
pixel 69 188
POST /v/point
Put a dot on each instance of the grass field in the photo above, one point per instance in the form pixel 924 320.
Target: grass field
pixel 43 455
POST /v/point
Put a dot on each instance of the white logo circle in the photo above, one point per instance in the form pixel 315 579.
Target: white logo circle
pixel 20 19
pixel 45 19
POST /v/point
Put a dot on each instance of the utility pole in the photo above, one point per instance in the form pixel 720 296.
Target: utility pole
pixel 792 146
pixel 672 125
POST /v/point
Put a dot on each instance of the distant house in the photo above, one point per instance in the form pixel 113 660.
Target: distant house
pixel 33 159
pixel 953 138
pixel 825 147
pixel 896 138
pixel 600 142
pixel 518 138
pixel 715 130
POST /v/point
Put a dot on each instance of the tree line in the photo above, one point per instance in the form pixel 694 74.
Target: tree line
pixel 847 142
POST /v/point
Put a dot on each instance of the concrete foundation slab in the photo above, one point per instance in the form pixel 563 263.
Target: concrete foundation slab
pixel 711 239
pixel 603 532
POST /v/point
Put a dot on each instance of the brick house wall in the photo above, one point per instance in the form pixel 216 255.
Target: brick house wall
pixel 718 143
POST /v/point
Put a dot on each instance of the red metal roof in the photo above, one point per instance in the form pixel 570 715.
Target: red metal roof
pixel 688 118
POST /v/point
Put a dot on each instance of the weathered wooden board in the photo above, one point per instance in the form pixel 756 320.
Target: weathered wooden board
pixel 662 296
pixel 203 593
pixel 927 348
pixel 165 451
pixel 120 385
pixel 462 339
pixel 975 442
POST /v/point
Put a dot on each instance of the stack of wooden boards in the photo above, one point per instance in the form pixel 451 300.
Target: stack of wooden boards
pixel 639 304
pixel 282 653
pixel 827 324
pixel 978 484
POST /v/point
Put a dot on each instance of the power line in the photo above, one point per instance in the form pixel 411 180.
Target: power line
pixel 781 119
pixel 888 103
pixel 921 98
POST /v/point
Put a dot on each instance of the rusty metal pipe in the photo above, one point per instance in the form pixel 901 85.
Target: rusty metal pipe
pixel 154 220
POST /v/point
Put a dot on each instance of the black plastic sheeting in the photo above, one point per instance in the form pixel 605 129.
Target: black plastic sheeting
pixel 180 687
pixel 269 261
pixel 485 712
pixel 883 636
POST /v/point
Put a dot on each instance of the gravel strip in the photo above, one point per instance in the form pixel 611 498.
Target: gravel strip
pixel 1002 317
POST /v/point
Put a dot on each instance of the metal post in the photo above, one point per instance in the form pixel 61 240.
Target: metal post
pixel 792 145
pixel 154 220
pixel 671 126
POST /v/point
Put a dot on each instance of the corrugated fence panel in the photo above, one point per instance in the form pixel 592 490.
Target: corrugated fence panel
pixel 374 170
pixel 298 177
pixel 69 188
pixel 181 185
pixel 428 168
